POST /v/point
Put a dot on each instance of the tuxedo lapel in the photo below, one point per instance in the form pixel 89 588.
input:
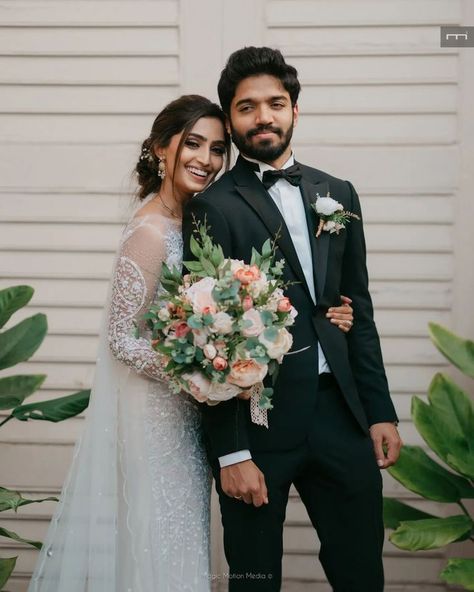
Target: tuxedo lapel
pixel 319 246
pixel 254 193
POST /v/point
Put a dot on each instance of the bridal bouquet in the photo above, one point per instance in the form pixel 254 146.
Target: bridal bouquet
pixel 223 327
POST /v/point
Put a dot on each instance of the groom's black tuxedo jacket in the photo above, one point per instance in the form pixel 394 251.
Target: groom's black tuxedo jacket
pixel 241 215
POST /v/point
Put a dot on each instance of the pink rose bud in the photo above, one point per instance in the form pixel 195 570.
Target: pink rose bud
pixel 208 310
pixel 284 305
pixel 219 363
pixel 247 303
pixel 182 329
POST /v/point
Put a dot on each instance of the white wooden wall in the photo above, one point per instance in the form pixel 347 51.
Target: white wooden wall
pixel 382 105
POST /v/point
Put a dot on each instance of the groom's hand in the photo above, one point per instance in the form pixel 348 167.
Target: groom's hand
pixel 245 481
pixel 385 436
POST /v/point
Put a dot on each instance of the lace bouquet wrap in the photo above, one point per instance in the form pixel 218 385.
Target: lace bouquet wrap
pixel 223 327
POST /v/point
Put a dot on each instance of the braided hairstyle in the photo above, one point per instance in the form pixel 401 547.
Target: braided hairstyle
pixel 178 116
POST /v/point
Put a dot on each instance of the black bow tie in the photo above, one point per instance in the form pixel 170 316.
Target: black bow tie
pixel 292 174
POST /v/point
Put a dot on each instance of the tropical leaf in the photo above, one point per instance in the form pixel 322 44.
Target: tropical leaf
pixel 54 410
pixel 447 423
pixel 422 475
pixel 417 535
pixel 6 568
pixel 12 535
pixel 15 389
pixel 459 572
pixel 12 299
pixel 395 512
pixel 21 341
pixel 12 500
pixel 459 351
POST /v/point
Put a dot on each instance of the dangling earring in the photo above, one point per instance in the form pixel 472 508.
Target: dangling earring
pixel 162 169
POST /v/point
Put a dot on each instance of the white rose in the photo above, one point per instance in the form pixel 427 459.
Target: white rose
pixel 210 351
pixel 164 314
pixel 281 345
pixel 222 323
pixel 329 225
pixel 200 295
pixel 222 391
pixel 327 206
pixel 256 287
pixel 256 327
pixel 200 337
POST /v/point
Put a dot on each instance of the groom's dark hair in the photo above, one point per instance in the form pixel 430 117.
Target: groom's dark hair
pixel 253 61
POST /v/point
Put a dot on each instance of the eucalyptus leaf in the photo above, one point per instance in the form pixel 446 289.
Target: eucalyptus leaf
pixel 14 536
pixel 193 266
pixel 21 341
pixel 459 572
pixel 12 299
pixel 417 535
pixel 12 500
pixel 15 389
pixel 6 568
pixel 457 350
pixel 54 410
pixel 395 512
pixel 422 475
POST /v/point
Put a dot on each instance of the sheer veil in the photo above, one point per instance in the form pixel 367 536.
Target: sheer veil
pixel 99 539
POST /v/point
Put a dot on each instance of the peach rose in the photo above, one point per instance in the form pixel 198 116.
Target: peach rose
pixel 245 373
pixel 199 385
pixel 247 274
pixel 219 363
pixel 284 305
pixel 200 295
pixel 256 326
pixel 282 344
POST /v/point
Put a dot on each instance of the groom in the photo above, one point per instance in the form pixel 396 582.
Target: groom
pixel 333 424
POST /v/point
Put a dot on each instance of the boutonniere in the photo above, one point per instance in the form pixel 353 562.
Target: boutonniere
pixel 332 215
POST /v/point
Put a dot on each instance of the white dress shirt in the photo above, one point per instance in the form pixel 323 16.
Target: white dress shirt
pixel 289 201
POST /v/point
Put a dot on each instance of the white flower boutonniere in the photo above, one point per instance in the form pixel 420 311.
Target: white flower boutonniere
pixel 332 216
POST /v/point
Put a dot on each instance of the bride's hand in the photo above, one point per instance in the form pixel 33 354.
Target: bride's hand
pixel 342 316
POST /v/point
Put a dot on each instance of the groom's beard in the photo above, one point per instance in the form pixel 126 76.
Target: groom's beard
pixel 265 150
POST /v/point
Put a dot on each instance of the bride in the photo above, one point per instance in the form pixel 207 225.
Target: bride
pixel 134 510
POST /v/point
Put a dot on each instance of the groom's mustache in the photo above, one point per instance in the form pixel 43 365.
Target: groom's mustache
pixel 264 128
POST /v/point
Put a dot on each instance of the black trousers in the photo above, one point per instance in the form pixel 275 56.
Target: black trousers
pixel 336 475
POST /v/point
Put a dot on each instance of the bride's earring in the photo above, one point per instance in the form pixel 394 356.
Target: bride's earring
pixel 162 169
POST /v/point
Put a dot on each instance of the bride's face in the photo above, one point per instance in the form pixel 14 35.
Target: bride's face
pixel 200 160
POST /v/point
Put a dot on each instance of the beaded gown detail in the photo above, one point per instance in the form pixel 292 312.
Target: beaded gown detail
pixel 135 508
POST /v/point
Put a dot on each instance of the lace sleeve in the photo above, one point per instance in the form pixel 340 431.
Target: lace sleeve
pixel 135 283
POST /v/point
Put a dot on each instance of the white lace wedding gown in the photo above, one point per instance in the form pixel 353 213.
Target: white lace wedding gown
pixel 134 512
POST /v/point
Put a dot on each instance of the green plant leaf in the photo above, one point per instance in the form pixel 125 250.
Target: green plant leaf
pixel 417 535
pixel 15 389
pixel 457 350
pixel 12 535
pixel 6 568
pixel 12 299
pixel 459 572
pixel 422 475
pixel 54 410
pixel 193 266
pixel 21 341
pixel 395 512
pixel 447 424
pixel 12 500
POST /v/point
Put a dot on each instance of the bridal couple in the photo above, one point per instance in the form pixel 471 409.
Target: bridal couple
pixel 134 512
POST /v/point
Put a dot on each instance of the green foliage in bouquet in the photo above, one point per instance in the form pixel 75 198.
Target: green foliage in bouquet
pixel 18 344
pixel 446 423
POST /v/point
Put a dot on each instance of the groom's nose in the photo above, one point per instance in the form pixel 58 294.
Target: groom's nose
pixel 263 115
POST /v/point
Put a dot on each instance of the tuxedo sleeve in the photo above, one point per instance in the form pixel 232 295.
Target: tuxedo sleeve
pixel 365 354
pixel 225 424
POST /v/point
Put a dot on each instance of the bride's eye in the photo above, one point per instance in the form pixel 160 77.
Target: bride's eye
pixel 218 150
pixel 192 144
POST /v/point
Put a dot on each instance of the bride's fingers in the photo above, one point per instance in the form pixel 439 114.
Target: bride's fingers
pixel 245 394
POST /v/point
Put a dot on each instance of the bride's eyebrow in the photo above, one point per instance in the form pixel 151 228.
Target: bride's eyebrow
pixel 204 139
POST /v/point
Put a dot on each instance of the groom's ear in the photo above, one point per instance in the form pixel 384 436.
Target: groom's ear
pixel 227 125
pixel 296 113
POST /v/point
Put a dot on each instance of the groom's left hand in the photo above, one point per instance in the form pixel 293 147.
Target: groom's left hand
pixel 385 435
